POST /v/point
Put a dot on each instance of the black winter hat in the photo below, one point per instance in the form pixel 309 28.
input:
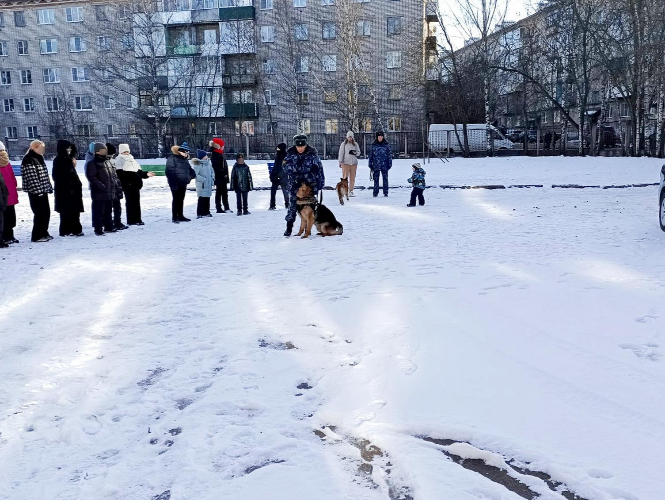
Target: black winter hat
pixel 281 146
pixel 380 133
pixel 240 155
pixel 110 148
pixel 300 140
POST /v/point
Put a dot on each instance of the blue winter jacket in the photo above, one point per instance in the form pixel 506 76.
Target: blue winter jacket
pixel 305 167
pixel 205 177
pixel 380 156
pixel 418 178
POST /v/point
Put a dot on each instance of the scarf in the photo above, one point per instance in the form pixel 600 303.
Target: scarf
pixel 127 163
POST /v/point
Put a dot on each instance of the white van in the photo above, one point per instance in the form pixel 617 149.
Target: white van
pixel 441 133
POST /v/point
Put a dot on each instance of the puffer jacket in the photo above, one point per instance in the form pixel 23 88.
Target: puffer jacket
pixel 179 173
pixel 67 184
pixel 221 168
pixel 345 157
pixel 418 178
pixel 101 175
pixel 205 177
pixel 380 156
pixel 305 167
pixel 10 179
pixel 241 178
pixel 35 175
pixel 129 172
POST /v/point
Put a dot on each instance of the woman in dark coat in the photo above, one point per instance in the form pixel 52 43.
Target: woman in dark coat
pixel 179 173
pixel 103 190
pixel 37 183
pixel 221 168
pixel 68 190
pixel 278 178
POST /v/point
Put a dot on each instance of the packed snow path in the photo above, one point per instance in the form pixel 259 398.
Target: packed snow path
pixel 517 329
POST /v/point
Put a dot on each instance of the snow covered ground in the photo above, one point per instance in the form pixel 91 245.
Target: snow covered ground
pixel 519 329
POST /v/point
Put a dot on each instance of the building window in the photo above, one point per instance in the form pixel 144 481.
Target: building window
pixel 267 97
pixel 32 132
pixel 51 75
pixel 100 13
pixel 327 2
pixel 214 128
pixel 394 59
pixel 109 102
pixel 266 4
pixel 365 125
pixel 80 75
pixel 26 77
pixel 74 14
pixel 8 105
pixel 332 126
pixel 267 34
pixel 103 43
pixel 11 133
pixel 110 130
pixel 394 124
pixel 300 32
pixel 2 20
pixel 303 96
pixel 86 130
pixel 127 42
pixel 329 95
pixel 329 30
pixel 22 46
pixel 363 28
pixel 271 128
pixel 246 128
pixel 19 19
pixel 394 25
pixel 624 110
pixel 48 46
pixel 304 126
pixel 176 5
pixel 329 62
pixel 269 67
pixel 209 4
pixel 132 129
pixel 242 96
pixel 302 64
pixel 300 3
pixel 28 104
pixel 45 16
pixel 3 49
pixel 124 11
pixel 77 44
pixel 5 78
pixel 394 92
pixel 364 95
pixel 83 103
pixel 52 104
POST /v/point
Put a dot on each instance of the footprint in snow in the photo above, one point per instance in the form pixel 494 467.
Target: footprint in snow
pixel 600 474
pixel 90 425
pixel 649 350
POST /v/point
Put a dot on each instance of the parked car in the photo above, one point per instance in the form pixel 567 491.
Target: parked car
pixel 441 133
pixel 661 198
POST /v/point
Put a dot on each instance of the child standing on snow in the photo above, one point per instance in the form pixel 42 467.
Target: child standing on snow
pixel 205 179
pixel 241 183
pixel 418 182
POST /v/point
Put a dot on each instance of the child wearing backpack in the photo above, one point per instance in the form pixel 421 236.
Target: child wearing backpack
pixel 418 182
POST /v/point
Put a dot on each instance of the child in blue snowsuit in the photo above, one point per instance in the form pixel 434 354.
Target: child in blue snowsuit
pixel 418 182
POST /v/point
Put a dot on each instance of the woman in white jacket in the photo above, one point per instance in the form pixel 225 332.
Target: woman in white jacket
pixel 349 151
pixel 131 177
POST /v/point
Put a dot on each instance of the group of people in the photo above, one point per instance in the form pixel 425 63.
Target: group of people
pixel 114 174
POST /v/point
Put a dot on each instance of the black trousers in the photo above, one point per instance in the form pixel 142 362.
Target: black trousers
pixel 133 205
pixel 117 213
pixel 384 174
pixel 2 223
pixel 241 198
pixel 177 206
pixel 70 223
pixel 41 209
pixel 417 193
pixel 222 195
pixel 273 194
pixel 10 223
pixel 102 215
pixel 203 205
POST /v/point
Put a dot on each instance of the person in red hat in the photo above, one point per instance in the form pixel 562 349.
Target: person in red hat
pixel 221 169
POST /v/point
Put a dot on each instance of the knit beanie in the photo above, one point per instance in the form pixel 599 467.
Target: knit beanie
pixel 123 148
pixel 200 154
pixel 91 148
pixel 97 147
pixel 2 146
pixel 184 147
pixel 110 149
pixel 349 134
pixel 219 142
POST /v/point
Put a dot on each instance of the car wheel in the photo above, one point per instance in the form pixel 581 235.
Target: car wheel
pixel 661 210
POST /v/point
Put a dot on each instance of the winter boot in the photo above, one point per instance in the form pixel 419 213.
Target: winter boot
pixel 99 232
pixel 289 229
pixel 246 212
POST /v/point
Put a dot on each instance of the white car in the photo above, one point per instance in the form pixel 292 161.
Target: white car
pixel 661 198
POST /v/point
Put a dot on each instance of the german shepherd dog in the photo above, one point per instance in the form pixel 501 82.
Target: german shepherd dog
pixel 314 213
pixel 343 190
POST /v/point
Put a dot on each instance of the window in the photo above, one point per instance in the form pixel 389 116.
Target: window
pixel 269 67
pixel 109 102
pixel 51 75
pixel 209 4
pixel 394 25
pixel 83 103
pixel 19 18
pixel 364 94
pixel 365 125
pixel 11 133
pixel 304 126
pixel 2 20
pixel 110 130
pixel 176 5
pixel 267 34
pixel 86 130
pixel 300 3
pixel 132 129
pixel 303 96
pixel 300 32
pixel 329 62
pixel 266 4
pixel 624 110
pixel 332 126
pixel 100 13
pixel 77 44
pixel 267 98
pixel 246 128
pixel 26 77
pixel 394 59
pixel 8 105
pixel 45 16
pixel 80 75
pixel 363 28
pixel 271 128
pixel 302 64
pixel 107 74
pixel 3 49
pixel 214 128
pixel 52 104
pixel 124 11
pixel 127 42
pixel 28 104
pixel 329 30
pixel 74 14
pixel 5 78
pixel 242 96
pixel 103 43
pixel 32 132
pixel 394 92
pixel 327 2
pixel 22 46
pixel 329 95
pixel 48 46
pixel 394 124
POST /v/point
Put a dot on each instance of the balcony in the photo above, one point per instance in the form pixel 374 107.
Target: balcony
pixel 239 80
pixel 184 111
pixel 236 13
pixel 431 13
pixel 244 110
pixel 430 44
pixel 184 50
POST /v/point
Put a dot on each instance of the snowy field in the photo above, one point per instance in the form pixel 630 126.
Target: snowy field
pixel 494 344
